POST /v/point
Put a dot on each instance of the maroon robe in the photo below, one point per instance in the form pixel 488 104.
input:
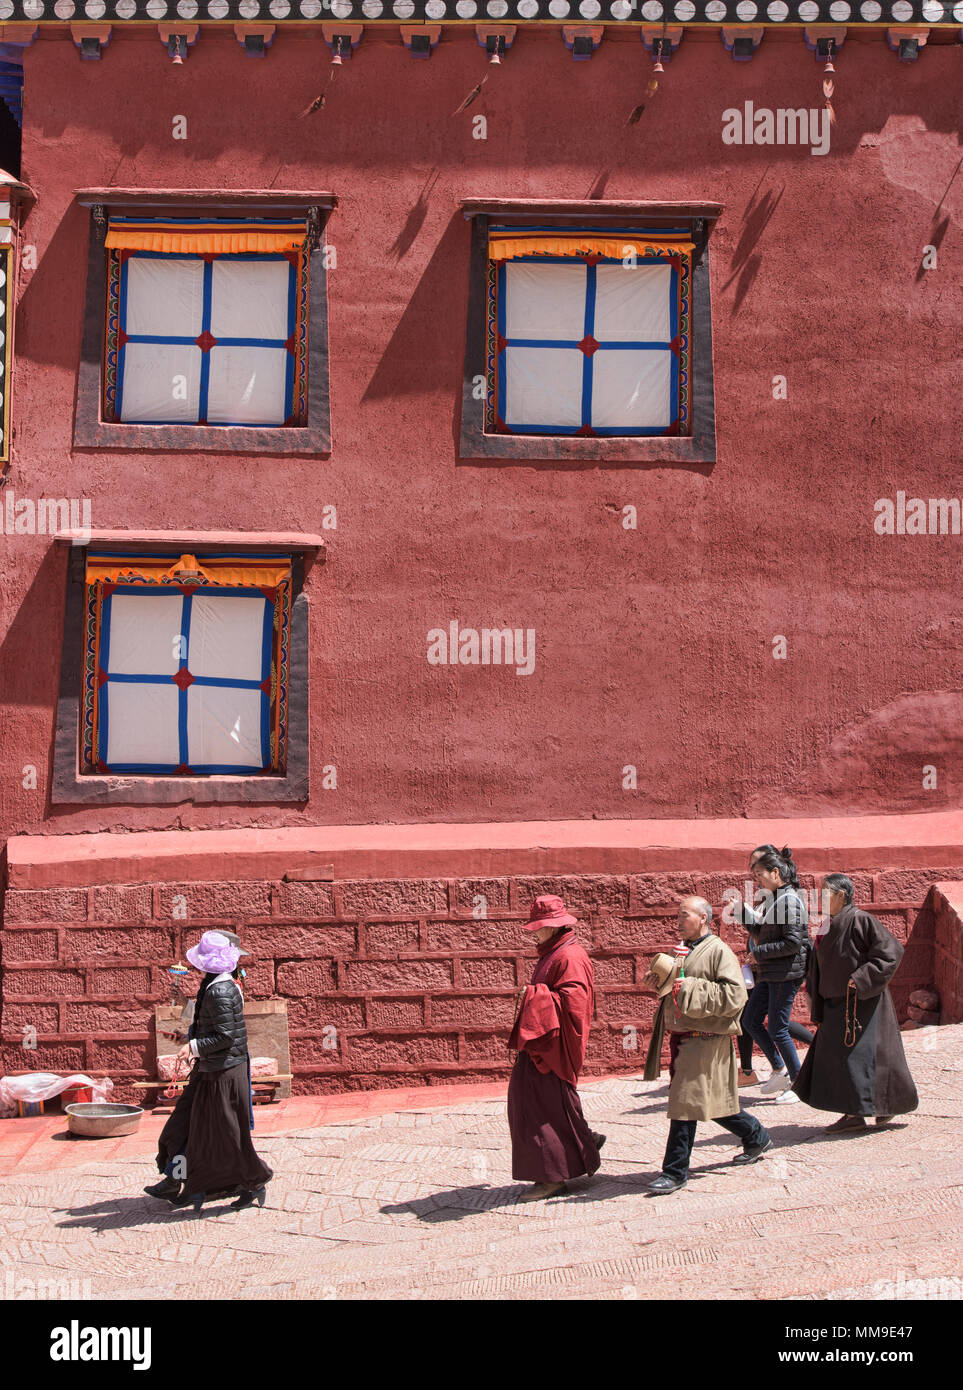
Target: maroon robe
pixel 550 1138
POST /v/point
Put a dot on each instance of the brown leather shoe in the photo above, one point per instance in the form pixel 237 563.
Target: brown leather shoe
pixel 748 1078
pixel 541 1190
pixel 846 1122
pixel 884 1119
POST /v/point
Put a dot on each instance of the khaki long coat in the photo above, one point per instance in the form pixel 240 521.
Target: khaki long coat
pixel 705 1083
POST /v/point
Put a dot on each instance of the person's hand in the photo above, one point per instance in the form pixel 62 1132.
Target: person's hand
pixel 184 1053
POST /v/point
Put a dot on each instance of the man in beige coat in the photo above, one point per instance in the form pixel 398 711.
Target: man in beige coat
pixel 703 994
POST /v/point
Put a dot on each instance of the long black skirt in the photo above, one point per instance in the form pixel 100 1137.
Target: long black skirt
pixel 551 1140
pixel 870 1078
pixel 173 1137
pixel 219 1152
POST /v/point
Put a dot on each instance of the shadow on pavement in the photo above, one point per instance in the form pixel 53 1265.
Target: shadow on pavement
pixel 114 1212
pixel 464 1201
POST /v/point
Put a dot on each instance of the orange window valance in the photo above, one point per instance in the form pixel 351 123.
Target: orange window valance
pixel 195 238
pixel 233 571
pixel 505 247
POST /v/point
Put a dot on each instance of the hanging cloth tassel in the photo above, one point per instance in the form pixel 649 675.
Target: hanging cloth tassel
pixel 829 86
pixel 472 96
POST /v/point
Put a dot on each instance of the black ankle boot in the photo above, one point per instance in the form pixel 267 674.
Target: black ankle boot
pixel 249 1197
pixel 188 1199
pixel 167 1187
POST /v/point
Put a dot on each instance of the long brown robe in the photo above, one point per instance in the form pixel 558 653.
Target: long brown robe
pixel 551 1140
pixel 709 1000
pixel 871 1077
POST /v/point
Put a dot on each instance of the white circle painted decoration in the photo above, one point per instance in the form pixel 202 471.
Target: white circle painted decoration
pixel 590 9
pixel 217 9
pixel 716 11
pixel 527 9
pixel 870 11
pixel 558 9
pixel 621 9
pixel 465 9
pixel 372 9
pixel 746 10
pixel 64 9
pixel 652 10
pixel 902 11
pixel 187 9
pixel 6 9
pixel 684 9
pixel 310 9
pixel 157 8
pixel 403 9
pixel 95 9
pixel 777 11
pixel 280 9
pixel 249 9
pixel 958 13
pixel 435 9
pixel 933 11
pixel 33 9
pixel 3 281
pixel 341 9
pixel 497 9
pixel 808 11
pixel 125 9
pixel 840 11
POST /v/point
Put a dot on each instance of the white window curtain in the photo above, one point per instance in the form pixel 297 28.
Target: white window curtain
pixel 225 640
pixel 161 364
pixel 550 309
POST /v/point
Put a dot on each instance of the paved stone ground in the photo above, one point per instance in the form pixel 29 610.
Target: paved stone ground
pixel 418 1203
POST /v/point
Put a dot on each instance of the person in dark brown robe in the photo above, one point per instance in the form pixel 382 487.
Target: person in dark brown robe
pixel 856 1063
pixel 551 1140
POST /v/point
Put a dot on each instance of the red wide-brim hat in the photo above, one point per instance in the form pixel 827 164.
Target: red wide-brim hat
pixel 549 911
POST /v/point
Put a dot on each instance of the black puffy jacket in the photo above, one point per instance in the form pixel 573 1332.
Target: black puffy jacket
pixel 220 1032
pixel 780 937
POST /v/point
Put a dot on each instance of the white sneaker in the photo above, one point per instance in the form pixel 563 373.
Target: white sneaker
pixel 787 1098
pixel 777 1083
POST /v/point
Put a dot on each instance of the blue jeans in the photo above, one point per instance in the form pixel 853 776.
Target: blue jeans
pixel 774 1000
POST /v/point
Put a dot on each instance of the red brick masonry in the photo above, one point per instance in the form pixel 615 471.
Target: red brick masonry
pixel 389 982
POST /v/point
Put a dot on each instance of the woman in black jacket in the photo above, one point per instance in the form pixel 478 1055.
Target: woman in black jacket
pixel 219 1153
pixel 779 942
pixel 798 1033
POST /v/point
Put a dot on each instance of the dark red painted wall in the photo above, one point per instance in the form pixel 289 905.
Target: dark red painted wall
pixel 653 646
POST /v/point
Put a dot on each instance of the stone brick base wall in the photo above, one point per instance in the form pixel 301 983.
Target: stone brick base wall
pixel 948 950
pixel 388 983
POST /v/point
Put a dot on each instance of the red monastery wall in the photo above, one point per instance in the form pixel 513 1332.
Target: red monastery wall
pixel 418 990
pixel 653 646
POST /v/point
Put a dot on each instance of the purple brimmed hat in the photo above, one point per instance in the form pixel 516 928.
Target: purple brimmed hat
pixel 549 911
pixel 214 953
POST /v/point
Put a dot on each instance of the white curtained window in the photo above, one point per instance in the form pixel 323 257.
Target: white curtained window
pixel 184 680
pixel 206 339
pixel 587 348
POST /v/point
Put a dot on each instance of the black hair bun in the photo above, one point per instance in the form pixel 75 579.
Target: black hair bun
pixel 786 852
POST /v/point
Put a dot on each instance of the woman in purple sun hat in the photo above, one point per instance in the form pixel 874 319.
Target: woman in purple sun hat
pixel 218 1154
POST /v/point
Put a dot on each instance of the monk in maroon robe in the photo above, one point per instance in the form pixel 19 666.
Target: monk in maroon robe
pixel 550 1138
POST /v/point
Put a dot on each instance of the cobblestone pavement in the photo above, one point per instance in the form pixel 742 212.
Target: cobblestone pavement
pixel 419 1203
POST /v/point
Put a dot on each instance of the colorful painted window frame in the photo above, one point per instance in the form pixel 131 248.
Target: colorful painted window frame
pixel 655 252
pixel 116 337
pixel 159 573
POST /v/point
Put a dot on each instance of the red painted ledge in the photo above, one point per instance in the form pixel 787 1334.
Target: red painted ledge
pixel 820 845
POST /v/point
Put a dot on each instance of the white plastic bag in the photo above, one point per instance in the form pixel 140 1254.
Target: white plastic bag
pixel 43 1085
